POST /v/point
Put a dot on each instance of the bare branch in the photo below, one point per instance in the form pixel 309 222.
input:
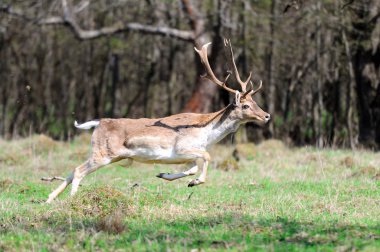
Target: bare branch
pixel 167 31
pixel 119 27
pixel 68 20
pixel 52 179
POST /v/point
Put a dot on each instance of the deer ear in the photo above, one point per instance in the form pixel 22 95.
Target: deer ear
pixel 237 98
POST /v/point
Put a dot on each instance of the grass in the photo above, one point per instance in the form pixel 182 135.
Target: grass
pixel 278 199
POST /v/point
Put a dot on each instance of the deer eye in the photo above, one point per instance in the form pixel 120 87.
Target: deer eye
pixel 245 106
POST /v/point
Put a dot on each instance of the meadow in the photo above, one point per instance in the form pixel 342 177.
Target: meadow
pixel 275 198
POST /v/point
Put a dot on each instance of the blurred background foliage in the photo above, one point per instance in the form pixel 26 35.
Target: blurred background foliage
pixel 66 60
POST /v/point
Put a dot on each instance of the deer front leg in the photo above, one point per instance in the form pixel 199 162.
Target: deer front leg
pixel 201 159
pixel 192 171
pixel 204 160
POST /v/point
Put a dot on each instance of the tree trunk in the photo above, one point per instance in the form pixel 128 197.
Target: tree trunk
pixel 319 78
pixel 272 65
pixel 350 91
pixel 204 91
pixel 366 75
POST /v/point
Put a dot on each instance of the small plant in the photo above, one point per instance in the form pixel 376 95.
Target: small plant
pixel 99 202
pixel 245 151
pixel 230 164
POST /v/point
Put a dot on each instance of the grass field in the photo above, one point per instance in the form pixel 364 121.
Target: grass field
pixel 279 199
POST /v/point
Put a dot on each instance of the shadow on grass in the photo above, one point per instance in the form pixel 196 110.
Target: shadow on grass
pixel 117 221
pixel 227 231
pixel 246 232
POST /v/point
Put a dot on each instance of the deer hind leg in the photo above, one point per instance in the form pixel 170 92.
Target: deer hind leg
pixel 90 166
pixel 78 174
pixel 60 188
pixel 72 178
pixel 81 171
pixel 67 182
pixel 192 171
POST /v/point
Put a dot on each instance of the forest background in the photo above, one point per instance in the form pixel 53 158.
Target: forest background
pixel 319 61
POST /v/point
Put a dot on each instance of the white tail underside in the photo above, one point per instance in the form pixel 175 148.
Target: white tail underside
pixel 86 125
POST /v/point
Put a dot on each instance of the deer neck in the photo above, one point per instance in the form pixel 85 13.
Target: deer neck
pixel 223 124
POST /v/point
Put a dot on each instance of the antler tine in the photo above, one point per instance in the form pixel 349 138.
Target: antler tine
pixel 209 73
pixel 257 90
pixel 249 91
pixel 243 84
pixel 252 92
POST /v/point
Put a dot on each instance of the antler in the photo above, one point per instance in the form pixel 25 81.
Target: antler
pixel 243 84
pixel 209 73
pixel 211 76
pixel 252 91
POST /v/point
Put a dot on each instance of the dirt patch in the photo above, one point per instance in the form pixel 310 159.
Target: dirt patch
pixel 348 162
pixel 6 184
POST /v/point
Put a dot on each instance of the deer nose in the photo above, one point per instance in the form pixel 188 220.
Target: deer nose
pixel 267 117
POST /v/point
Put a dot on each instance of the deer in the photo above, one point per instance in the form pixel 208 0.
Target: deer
pixel 183 138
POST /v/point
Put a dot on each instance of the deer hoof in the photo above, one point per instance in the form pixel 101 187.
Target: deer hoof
pixel 194 183
pixel 161 175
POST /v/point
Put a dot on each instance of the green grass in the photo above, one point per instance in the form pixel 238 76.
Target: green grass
pixel 282 199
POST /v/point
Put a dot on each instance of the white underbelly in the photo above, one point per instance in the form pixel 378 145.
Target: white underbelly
pixel 153 154
pixel 158 155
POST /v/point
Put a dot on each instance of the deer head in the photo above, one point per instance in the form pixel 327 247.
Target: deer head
pixel 245 108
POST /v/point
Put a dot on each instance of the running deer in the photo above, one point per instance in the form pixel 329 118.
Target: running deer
pixel 177 139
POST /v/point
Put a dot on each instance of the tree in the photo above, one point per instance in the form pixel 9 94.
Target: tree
pixel 365 60
pixel 63 60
